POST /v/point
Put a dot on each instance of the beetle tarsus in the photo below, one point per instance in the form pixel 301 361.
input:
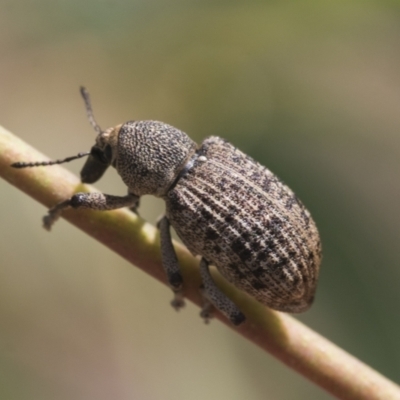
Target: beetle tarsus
pixel 207 310
pixel 178 301
pixel 55 213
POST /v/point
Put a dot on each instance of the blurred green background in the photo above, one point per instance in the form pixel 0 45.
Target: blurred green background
pixel 311 89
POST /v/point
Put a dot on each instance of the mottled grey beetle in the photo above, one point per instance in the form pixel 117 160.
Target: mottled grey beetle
pixel 224 206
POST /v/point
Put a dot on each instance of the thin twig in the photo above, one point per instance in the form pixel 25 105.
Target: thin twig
pixel 138 242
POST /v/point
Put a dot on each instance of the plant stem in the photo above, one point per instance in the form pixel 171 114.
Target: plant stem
pixel 290 341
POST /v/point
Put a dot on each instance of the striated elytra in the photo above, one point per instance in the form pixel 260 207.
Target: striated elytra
pixel 224 206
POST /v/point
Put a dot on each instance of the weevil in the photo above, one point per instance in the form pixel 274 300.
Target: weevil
pixel 225 207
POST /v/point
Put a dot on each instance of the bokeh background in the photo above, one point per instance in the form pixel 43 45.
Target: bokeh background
pixel 311 89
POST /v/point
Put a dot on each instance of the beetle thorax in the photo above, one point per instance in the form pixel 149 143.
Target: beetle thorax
pixel 150 156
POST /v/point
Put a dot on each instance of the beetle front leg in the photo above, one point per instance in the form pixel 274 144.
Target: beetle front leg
pixel 170 263
pixel 135 207
pixel 214 295
pixel 93 201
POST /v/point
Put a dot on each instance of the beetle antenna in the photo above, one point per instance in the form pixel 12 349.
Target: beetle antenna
pixel 46 163
pixel 89 111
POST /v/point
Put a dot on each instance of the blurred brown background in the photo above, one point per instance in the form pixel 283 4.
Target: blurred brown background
pixel 309 88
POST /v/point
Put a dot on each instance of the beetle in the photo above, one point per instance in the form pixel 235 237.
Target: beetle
pixel 224 206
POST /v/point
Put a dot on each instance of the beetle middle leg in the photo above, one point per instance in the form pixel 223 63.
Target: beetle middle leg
pixel 213 294
pixel 170 263
pixel 93 201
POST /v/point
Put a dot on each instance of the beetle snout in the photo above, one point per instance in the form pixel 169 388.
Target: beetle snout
pixel 92 170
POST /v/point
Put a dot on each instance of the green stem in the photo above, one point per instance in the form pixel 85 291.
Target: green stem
pixel 138 242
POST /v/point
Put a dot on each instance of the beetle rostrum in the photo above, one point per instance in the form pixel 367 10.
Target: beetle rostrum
pixel 226 207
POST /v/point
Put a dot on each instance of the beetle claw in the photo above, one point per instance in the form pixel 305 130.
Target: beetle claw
pixel 178 301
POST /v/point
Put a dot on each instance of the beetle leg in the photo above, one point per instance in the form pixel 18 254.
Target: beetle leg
pixel 54 213
pixel 135 207
pixel 170 263
pixel 207 310
pixel 93 201
pixel 214 295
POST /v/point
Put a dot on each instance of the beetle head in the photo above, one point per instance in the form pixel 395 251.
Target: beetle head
pixel 101 154
pixel 148 155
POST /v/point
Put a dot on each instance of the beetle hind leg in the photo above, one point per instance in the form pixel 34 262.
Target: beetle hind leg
pixel 214 297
